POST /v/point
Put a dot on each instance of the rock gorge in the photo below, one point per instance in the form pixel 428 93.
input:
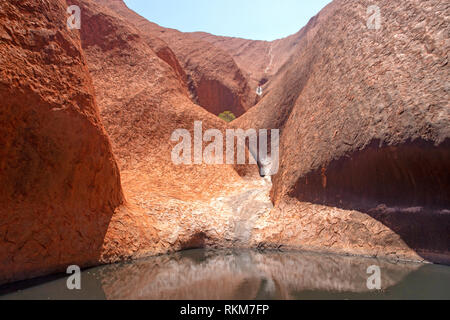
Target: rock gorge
pixel 87 116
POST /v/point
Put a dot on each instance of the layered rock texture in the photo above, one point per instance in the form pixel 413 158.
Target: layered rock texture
pixel 87 118
pixel 365 123
pixel 60 182
pixel 214 80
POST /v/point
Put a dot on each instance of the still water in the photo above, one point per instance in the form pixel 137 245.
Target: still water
pixel 242 274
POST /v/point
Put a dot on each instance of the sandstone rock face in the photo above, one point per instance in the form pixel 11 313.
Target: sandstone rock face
pixel 62 199
pixel 59 180
pixel 142 103
pixel 260 61
pixel 159 47
pixel 365 131
pixel 211 72
pixel 364 121
pixel 141 116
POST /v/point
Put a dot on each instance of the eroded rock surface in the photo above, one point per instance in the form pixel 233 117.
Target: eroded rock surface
pixel 188 205
pixel 214 80
pixel 60 183
pixel 365 127
pixel 364 121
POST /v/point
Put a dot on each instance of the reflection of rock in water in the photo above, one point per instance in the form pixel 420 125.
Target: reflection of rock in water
pixel 243 275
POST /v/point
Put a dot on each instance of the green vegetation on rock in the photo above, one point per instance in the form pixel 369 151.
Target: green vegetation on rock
pixel 227 116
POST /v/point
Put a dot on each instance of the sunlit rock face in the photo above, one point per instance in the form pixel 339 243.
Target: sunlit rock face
pixel 365 124
pixel 142 102
pixel 213 78
pixel 62 196
pixel 226 275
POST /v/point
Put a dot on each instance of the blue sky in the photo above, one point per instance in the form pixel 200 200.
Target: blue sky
pixel 250 19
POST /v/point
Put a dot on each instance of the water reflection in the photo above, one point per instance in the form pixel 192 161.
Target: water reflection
pixel 203 274
pixel 243 275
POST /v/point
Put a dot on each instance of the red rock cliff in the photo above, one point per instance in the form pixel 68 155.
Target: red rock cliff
pixel 59 180
pixel 365 128
pixel 214 79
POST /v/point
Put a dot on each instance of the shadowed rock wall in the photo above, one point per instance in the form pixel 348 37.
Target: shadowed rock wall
pixel 59 180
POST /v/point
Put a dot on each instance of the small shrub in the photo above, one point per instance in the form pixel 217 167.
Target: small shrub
pixel 227 116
